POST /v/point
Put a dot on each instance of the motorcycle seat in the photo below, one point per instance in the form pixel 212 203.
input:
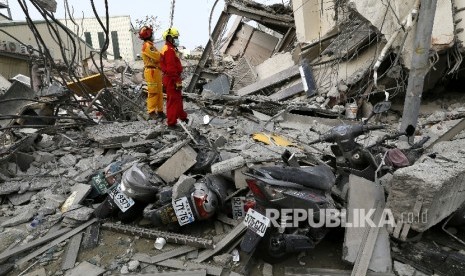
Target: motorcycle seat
pixel 318 177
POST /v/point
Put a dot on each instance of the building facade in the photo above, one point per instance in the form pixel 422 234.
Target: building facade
pixel 123 43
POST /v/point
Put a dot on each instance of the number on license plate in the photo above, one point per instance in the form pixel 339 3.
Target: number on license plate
pixel 238 207
pixel 122 201
pixel 256 222
pixel 183 211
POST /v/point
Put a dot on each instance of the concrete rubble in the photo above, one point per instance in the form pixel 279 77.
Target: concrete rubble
pixel 255 93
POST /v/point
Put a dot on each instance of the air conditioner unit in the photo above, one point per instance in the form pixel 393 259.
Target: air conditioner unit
pixel 12 47
pixel 3 46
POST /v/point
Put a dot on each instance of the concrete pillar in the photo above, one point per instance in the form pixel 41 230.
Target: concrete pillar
pixel 313 18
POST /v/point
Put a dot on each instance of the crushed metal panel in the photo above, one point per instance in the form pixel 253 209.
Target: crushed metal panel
pixel 252 43
pixel 91 84
pixel 17 90
pixel 243 74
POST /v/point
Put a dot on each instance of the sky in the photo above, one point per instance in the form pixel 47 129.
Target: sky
pixel 191 17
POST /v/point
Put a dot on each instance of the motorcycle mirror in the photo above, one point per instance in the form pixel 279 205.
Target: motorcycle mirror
pixel 381 107
pixel 206 120
pixel 410 130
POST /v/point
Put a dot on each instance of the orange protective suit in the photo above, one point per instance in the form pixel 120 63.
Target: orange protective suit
pixel 172 82
pixel 152 74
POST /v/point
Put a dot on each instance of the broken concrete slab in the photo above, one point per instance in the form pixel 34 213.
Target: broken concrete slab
pixel 5 255
pixel 19 199
pixel 4 84
pixel 39 183
pixel 362 196
pixel 165 255
pixel 116 133
pixel 178 164
pixel 23 261
pixel 219 86
pixel 183 186
pixel 23 160
pixel 211 270
pixel 78 194
pixel 275 64
pixel 228 165
pixel 68 160
pixel 313 19
pixel 80 214
pixel 72 251
pixel 239 177
pixel 437 194
pixel 37 272
pixel 272 80
pixel 85 268
pixel 11 187
pixel 9 236
pixel 19 219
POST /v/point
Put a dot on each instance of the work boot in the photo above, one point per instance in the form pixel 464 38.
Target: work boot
pixel 161 115
pixel 153 116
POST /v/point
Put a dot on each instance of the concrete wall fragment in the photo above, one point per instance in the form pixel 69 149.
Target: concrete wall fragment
pixel 386 16
pixel 431 189
pixel 313 19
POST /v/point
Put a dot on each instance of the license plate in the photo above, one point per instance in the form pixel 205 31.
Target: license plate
pixel 183 211
pixel 122 201
pixel 238 207
pixel 100 183
pixel 256 222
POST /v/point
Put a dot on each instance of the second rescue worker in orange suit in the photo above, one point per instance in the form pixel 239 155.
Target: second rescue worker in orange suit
pixel 172 82
pixel 152 74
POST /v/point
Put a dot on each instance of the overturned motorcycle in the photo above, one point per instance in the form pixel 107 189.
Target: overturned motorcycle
pixel 314 189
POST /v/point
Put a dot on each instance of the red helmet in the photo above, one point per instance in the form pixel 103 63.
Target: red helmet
pixel 145 32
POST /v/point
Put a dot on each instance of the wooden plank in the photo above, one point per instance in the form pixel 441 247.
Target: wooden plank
pixel 72 252
pixel 364 255
pixel 20 249
pixel 451 133
pixel 211 270
pixel 288 92
pixel 235 233
pixel 272 80
pixel 21 262
pixel 301 271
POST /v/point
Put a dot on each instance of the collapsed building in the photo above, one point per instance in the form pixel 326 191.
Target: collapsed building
pixel 279 77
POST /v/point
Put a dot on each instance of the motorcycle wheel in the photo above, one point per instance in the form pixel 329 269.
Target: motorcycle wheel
pixel 272 247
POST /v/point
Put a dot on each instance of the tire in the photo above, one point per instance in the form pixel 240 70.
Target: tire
pixel 272 248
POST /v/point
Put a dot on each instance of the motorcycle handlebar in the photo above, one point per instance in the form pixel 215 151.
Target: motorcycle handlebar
pixel 368 128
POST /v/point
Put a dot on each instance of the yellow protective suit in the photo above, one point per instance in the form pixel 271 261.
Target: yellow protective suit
pixel 153 77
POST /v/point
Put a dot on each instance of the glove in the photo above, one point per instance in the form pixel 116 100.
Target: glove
pixel 179 86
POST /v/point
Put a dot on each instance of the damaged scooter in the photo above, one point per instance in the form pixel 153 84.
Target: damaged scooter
pixel 313 189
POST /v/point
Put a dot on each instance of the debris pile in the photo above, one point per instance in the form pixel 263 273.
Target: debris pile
pixel 280 118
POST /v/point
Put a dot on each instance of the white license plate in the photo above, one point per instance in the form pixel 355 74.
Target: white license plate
pixel 238 207
pixel 256 222
pixel 122 201
pixel 183 211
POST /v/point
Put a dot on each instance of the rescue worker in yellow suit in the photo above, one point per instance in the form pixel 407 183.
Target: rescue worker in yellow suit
pixel 152 74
